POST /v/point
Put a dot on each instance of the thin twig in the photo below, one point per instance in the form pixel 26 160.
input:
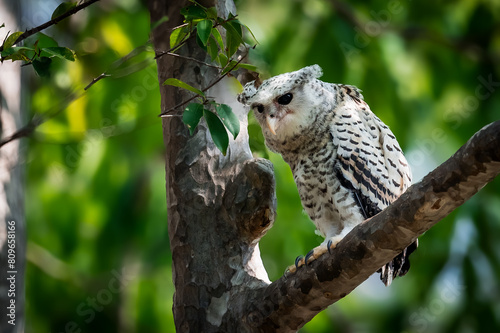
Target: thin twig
pixel 39 119
pixel 95 80
pixel 164 114
pixel 117 63
pixel 175 48
pixel 193 59
pixel 47 24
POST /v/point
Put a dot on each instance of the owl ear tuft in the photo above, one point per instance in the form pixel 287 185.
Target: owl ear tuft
pixel 248 92
pixel 314 71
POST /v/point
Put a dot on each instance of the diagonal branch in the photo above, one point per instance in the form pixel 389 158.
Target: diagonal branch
pixel 56 20
pixel 293 300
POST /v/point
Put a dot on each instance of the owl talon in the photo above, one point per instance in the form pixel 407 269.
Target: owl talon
pixel 329 246
pixel 298 261
pixel 308 256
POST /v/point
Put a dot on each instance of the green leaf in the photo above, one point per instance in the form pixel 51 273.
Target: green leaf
pixel 41 40
pixel 251 33
pixel 212 13
pixel 233 37
pixel 183 85
pixel 200 43
pixel 41 66
pixel 62 9
pixel 217 131
pixel 12 39
pixel 218 38
pixel 204 29
pixel 212 49
pixel 228 118
pixel 193 12
pixel 229 67
pixel 177 36
pixel 248 66
pixel 192 115
pixel 222 59
pixel 60 52
pixel 18 53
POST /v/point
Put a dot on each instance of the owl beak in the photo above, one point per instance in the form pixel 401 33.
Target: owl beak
pixel 271 124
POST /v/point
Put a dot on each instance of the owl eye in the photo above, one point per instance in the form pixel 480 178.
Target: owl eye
pixel 285 99
pixel 259 107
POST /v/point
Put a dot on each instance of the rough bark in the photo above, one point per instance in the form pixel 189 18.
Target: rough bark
pixel 12 219
pixel 220 206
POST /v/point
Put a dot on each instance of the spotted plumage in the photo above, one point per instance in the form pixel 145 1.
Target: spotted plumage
pixel 345 161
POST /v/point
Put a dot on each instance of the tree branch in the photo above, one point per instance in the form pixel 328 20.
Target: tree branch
pixel 47 24
pixel 39 119
pixel 293 300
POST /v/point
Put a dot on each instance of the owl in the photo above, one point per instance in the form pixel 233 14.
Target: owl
pixel 345 161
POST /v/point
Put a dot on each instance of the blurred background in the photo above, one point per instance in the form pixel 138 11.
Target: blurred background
pixel 98 253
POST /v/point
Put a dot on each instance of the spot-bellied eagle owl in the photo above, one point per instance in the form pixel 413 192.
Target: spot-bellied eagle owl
pixel 346 162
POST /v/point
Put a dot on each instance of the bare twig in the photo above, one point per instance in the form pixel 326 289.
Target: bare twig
pixel 117 63
pixel 192 59
pixel 96 79
pixel 56 20
pixel 39 119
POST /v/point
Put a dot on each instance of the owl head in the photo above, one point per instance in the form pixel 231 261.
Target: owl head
pixel 285 104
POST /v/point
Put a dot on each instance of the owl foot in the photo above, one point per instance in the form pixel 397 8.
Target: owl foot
pixel 308 259
pixel 314 254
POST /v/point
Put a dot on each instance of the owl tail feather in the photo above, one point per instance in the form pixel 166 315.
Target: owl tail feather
pixel 399 266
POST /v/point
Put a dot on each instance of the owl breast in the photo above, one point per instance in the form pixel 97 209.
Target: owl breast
pixel 330 205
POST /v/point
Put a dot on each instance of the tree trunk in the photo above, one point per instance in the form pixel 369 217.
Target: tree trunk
pixel 12 219
pixel 220 206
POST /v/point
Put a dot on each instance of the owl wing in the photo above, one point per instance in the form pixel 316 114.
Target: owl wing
pixel 371 164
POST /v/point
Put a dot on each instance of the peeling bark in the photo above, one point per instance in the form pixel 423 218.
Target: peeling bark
pixel 220 206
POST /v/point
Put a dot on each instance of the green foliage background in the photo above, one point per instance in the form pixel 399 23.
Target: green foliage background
pixel 95 196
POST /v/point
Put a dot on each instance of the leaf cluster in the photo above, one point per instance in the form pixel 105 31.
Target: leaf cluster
pixel 208 28
pixel 40 49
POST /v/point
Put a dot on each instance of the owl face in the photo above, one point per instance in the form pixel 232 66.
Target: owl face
pixel 285 104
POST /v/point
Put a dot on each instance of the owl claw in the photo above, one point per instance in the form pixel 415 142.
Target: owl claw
pixel 298 261
pixel 308 256
pixel 329 245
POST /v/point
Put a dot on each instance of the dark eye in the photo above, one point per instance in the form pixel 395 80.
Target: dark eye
pixel 259 107
pixel 285 99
